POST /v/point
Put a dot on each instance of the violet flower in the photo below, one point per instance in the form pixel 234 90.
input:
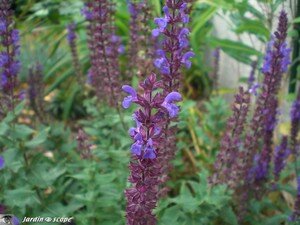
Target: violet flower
pixel 9 64
pixel 2 162
pixel 144 166
pixel 173 55
pixel 129 99
pixel 169 104
pixel 281 154
pixel 265 114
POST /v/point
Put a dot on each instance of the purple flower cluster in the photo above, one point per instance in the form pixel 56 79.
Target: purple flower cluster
pixel 228 166
pixel 281 154
pixel 265 115
pixel 139 52
pixel 2 162
pixel 9 39
pixel 71 37
pixel 105 47
pixel 174 52
pixel 154 136
pixel 244 160
pixel 147 145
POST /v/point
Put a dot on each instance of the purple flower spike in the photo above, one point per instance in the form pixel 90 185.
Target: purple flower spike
pixel 132 96
pixel 2 162
pixel 186 59
pixel 168 103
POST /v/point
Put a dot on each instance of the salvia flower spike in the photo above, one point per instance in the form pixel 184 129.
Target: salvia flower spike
pixel 9 64
pixel 265 115
pixel 71 38
pixel 145 169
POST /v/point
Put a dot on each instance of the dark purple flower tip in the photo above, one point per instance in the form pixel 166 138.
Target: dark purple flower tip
pixel 2 162
pixel 186 59
pixel 71 36
pixel 136 148
pixel 168 103
pixel 132 96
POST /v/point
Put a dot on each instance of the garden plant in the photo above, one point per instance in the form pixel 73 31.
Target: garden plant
pixel 134 112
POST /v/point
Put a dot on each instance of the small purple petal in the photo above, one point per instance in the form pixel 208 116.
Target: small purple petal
pixel 2 162
pixel 130 90
pixel 127 102
pixel 173 97
pixel 136 148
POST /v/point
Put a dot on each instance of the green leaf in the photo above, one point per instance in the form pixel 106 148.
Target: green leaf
pixel 296 20
pixel 39 139
pixel 255 27
pixel 235 49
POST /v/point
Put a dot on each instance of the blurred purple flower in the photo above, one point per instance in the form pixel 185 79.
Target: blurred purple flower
pixel 2 162
pixel 129 99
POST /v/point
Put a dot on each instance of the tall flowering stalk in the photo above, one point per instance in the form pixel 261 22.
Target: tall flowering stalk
pixel 170 59
pixel 228 165
pixel 71 38
pixel 10 50
pixel 265 115
pixel 153 136
pixel 145 166
pixel 141 47
pixel 104 48
pixel 244 160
